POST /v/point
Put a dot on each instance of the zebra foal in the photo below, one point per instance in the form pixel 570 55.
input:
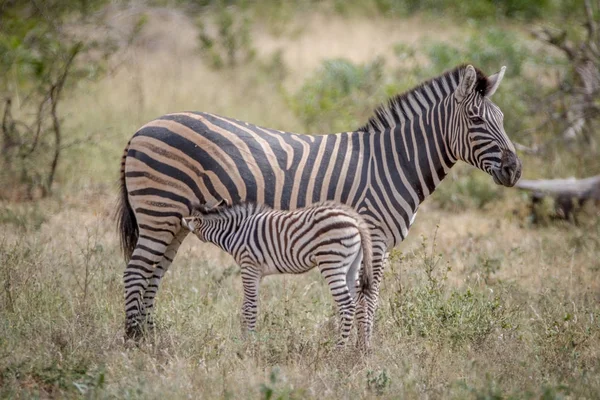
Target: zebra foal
pixel 263 241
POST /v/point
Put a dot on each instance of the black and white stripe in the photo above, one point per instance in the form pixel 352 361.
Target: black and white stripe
pixel 383 170
pixel 263 241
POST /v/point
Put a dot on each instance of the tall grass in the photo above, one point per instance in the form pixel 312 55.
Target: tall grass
pixel 448 323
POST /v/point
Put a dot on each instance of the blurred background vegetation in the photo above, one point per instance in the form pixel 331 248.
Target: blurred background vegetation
pixel 498 302
pixel 56 52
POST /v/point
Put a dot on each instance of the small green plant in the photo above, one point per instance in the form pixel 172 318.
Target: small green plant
pixel 378 381
pixel 273 390
pixel 456 315
pixel 267 389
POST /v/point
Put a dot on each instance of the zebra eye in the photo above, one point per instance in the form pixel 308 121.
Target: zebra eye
pixel 477 120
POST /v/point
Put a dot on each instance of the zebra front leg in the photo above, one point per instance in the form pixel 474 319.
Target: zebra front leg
pixel 159 271
pixel 250 280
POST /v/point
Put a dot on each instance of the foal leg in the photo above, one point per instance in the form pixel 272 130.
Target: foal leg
pixel 334 271
pixel 367 302
pixel 250 280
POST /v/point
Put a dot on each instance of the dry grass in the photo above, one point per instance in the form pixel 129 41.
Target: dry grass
pixel 517 314
pixel 530 326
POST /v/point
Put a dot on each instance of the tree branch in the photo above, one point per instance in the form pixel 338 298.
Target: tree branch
pixel 55 92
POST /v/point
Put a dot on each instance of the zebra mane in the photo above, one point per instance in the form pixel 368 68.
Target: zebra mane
pixel 389 111
pixel 227 210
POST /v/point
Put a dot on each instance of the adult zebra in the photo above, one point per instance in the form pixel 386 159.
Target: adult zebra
pixel 384 170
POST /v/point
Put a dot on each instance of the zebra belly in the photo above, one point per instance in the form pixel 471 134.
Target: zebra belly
pixel 270 267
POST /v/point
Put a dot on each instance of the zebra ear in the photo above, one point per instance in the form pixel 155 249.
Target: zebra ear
pixel 221 203
pixel 494 82
pixel 467 83
pixel 189 223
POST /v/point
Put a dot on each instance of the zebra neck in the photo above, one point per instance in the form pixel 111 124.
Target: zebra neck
pixel 409 159
pixel 221 232
pixel 419 157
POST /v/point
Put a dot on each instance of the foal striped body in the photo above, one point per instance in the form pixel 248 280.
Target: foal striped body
pixel 264 241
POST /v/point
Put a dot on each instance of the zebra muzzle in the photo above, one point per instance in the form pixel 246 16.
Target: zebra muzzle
pixel 509 171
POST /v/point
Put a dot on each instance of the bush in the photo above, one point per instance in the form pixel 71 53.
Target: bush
pixel 458 316
pixel 489 49
pixel 473 189
pixel 43 54
pixel 340 96
pixel 230 41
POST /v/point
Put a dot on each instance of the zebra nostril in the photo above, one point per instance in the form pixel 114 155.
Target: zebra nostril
pixel 510 171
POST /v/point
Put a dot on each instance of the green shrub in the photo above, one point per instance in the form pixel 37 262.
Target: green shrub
pixel 339 96
pixel 378 381
pixel 458 316
pixel 475 9
pixel 473 189
pixel 44 53
pixel 231 41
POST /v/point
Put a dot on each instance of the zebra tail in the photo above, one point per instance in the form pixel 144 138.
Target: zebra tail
pixel 367 248
pixel 126 222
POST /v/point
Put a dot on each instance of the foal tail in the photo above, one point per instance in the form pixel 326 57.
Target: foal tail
pixel 366 282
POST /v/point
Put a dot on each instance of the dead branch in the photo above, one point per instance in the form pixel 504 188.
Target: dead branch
pixel 54 94
pixel 577 106
pixel 568 194
pixel 582 189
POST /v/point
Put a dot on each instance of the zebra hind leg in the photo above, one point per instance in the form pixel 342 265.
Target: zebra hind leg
pixel 148 252
pixel 159 272
pixel 341 295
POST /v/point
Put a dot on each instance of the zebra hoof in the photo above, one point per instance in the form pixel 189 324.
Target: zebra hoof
pixel 133 330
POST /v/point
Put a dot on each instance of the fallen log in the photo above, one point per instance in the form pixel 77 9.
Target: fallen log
pixel 567 193
pixel 583 189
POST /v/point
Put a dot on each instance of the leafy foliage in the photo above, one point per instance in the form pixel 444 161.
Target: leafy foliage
pixel 466 188
pixel 42 56
pixel 339 96
pixel 460 316
pixel 230 42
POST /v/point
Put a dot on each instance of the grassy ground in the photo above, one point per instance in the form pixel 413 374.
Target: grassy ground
pixel 476 303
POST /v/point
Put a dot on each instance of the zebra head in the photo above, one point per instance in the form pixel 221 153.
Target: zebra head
pixel 204 220
pixel 480 139
pixel 192 224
